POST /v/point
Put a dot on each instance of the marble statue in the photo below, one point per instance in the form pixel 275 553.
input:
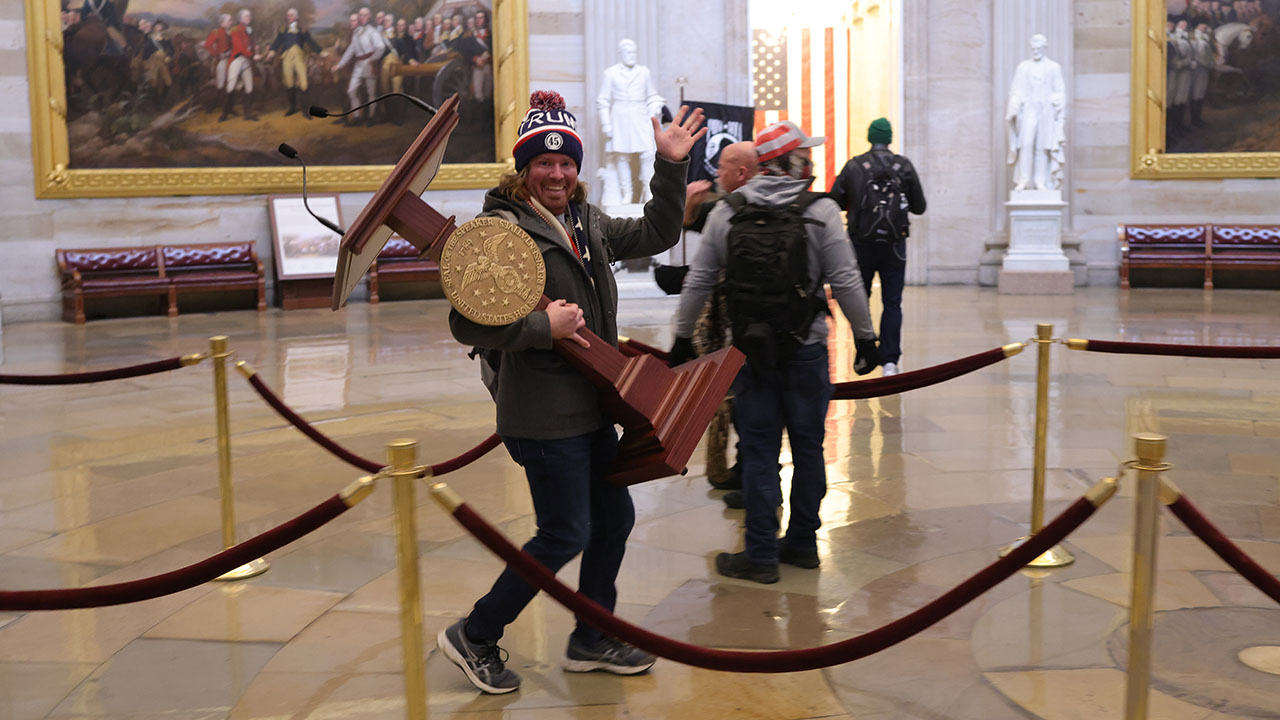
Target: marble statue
pixel 1036 117
pixel 626 101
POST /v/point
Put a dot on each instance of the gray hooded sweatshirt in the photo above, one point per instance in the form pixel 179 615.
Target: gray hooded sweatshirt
pixel 831 259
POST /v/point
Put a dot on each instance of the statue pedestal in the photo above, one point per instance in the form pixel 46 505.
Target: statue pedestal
pixel 1035 263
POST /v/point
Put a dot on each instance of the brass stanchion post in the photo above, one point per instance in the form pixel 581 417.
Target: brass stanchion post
pixel 1150 450
pixel 402 456
pixel 219 352
pixel 1056 556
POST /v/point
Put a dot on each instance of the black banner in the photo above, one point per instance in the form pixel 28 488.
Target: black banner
pixel 726 124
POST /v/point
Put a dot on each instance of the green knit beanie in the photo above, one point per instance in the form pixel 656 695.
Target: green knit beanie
pixel 880 132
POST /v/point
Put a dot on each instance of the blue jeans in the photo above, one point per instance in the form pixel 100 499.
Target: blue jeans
pixel 890 260
pixel 794 397
pixel 577 511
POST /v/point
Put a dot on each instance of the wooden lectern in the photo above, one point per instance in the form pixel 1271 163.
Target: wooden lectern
pixel 663 411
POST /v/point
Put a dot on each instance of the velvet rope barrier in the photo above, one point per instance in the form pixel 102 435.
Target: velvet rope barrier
pixel 1213 351
pixel 305 427
pixel 924 377
pixel 120 373
pixel 1230 553
pixel 191 575
pixel 344 454
pixel 467 457
pixel 776 661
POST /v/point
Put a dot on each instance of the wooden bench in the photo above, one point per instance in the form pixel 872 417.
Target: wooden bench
pixel 399 262
pixel 213 267
pixel 1203 248
pixel 162 271
pixel 110 272
pixel 1245 247
pixel 1184 247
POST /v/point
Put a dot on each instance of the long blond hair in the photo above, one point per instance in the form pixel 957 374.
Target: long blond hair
pixel 512 185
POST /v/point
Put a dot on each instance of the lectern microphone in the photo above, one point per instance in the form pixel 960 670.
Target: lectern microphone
pixel 317 111
pixel 287 150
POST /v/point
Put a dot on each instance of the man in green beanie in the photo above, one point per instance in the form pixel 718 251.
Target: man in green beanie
pixel 878 189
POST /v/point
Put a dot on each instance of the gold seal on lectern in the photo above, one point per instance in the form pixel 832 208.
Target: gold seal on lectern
pixel 492 271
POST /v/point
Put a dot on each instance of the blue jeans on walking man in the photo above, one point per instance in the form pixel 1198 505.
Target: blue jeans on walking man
pixel 578 511
pixel 794 397
pixel 890 260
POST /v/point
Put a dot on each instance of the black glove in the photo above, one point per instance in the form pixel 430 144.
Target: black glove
pixel 670 277
pixel 868 357
pixel 681 352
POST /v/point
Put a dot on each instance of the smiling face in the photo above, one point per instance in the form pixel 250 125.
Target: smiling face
pixel 551 181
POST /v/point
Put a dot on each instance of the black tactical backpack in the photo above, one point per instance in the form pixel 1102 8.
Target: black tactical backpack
pixel 771 305
pixel 882 213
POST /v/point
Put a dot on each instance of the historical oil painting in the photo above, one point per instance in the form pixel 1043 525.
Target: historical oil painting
pixel 1222 76
pixel 209 84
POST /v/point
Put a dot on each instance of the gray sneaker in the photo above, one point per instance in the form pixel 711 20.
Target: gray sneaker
pixel 609 654
pixel 481 662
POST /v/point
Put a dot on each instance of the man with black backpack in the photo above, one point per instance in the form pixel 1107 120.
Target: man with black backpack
pixel 878 189
pixel 778 244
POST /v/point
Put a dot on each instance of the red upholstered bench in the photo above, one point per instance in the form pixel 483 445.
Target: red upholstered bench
pixel 1245 247
pixel 1183 247
pixel 109 272
pixel 399 262
pixel 213 267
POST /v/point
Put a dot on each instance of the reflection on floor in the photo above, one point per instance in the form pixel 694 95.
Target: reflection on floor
pixel 117 481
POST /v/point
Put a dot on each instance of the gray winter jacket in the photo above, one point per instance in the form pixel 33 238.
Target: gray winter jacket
pixel 831 258
pixel 538 394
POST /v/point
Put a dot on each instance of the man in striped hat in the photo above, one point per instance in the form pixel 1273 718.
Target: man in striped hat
pixel 549 415
pixel 770 229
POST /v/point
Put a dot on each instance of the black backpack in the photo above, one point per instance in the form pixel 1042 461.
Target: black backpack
pixel 770 304
pixel 882 214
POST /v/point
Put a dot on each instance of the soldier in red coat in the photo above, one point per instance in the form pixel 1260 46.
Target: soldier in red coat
pixel 244 52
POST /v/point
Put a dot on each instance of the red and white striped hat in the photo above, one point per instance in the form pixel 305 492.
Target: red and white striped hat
pixel 781 138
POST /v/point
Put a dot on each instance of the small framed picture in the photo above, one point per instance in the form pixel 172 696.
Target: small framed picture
pixel 304 248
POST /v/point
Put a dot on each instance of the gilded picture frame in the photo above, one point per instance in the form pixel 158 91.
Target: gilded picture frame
pixel 1152 156
pixel 57 177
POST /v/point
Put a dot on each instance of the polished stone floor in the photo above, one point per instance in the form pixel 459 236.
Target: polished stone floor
pixel 117 481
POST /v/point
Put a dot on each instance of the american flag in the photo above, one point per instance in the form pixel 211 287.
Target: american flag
pixel 831 67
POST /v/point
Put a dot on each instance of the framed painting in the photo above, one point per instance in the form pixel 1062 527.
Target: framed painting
pixel 192 97
pixel 1205 100
pixel 304 248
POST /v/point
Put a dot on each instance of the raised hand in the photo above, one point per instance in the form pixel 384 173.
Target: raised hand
pixel 677 139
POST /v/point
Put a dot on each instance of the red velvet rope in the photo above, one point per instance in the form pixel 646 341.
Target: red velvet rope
pixel 1227 550
pixel 351 458
pixel 924 377
pixel 307 429
pixel 780 660
pixel 180 579
pixel 1214 351
pixel 467 457
pixel 150 368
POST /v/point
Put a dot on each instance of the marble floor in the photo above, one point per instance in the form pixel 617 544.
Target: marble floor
pixel 118 481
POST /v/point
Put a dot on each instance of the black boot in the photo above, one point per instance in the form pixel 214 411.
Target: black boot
pixel 302 103
pixel 248 109
pixel 228 107
pixel 293 102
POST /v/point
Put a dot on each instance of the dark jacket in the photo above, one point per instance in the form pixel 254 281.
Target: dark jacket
pixel 538 394
pixel 847 189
